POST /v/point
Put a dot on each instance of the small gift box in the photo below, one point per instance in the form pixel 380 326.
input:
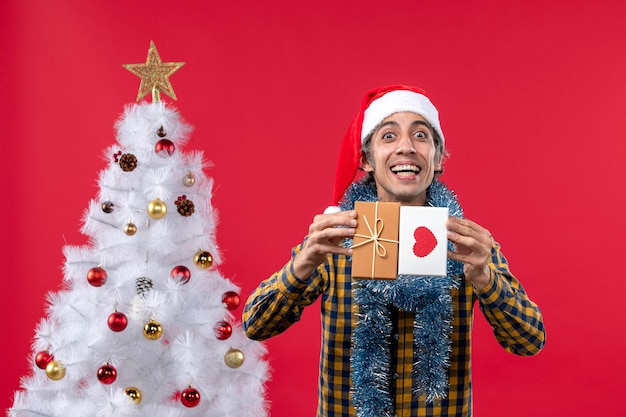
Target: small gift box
pixel 375 247
pixel 423 248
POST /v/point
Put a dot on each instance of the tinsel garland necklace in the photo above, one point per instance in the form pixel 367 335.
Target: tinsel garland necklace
pixel 428 297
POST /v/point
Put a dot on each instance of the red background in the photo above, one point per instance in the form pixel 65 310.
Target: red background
pixel 531 96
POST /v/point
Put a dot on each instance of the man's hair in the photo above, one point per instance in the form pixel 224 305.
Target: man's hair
pixel 440 150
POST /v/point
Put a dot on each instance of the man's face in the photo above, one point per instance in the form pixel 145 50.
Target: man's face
pixel 403 158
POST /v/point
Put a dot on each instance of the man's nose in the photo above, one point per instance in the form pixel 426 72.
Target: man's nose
pixel 405 145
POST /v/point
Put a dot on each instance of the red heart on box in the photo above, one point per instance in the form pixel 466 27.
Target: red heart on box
pixel 425 242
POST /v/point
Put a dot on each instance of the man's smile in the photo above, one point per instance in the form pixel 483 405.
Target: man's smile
pixel 406 170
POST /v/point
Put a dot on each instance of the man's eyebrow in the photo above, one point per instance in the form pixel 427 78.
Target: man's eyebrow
pixel 387 123
pixel 422 122
pixel 396 124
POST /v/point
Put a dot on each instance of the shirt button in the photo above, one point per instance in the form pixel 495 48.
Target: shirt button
pixel 395 375
pixel 396 336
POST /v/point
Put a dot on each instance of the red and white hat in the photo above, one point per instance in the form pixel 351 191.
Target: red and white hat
pixel 377 105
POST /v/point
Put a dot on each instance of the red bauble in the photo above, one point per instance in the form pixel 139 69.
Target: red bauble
pixel 231 300
pixel 164 147
pixel 43 358
pixel 117 321
pixel 107 374
pixel 190 397
pixel 181 273
pixel 97 276
pixel 223 330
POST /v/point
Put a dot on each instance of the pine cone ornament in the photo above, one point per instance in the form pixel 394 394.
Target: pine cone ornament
pixel 185 207
pixel 143 285
pixel 128 162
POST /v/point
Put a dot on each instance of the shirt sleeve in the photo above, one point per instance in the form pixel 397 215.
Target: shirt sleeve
pixel 278 302
pixel 517 321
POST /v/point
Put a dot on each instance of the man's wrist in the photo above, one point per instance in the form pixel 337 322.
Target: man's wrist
pixel 483 279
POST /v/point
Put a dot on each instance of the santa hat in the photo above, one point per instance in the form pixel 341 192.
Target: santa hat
pixel 377 105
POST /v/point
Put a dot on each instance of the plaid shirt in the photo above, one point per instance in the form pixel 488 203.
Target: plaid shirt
pixel 278 303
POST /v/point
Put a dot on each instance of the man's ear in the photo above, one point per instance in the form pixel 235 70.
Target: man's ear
pixel 439 165
pixel 438 162
pixel 365 165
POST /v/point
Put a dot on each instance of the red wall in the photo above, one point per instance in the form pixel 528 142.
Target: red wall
pixel 531 96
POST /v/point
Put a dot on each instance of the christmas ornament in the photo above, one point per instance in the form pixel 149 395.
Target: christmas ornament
pixel 134 394
pixel 157 209
pixel 189 180
pixel 152 330
pixel 164 147
pixel 142 285
pixel 43 358
pixel 107 374
pixel 161 132
pixel 203 259
pixel 190 397
pixel 185 207
pixel 128 162
pixel 154 75
pixel 233 358
pixel 55 370
pixel 97 276
pixel 181 273
pixel 107 207
pixel 223 330
pixel 130 229
pixel 117 321
pixel 231 299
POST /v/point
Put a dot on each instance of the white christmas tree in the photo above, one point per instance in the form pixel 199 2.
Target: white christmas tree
pixel 145 325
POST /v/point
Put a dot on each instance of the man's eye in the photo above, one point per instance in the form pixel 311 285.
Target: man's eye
pixel 388 136
pixel 421 135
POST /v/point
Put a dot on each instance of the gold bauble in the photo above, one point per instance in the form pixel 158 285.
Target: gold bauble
pixel 130 229
pixel 152 330
pixel 157 209
pixel 233 358
pixel 55 370
pixel 189 180
pixel 134 394
pixel 203 259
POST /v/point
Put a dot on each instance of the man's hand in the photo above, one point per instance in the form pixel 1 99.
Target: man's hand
pixel 324 237
pixel 472 247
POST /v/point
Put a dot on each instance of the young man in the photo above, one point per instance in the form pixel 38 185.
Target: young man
pixel 399 347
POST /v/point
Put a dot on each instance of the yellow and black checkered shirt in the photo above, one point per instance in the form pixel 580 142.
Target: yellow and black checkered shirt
pixel 278 303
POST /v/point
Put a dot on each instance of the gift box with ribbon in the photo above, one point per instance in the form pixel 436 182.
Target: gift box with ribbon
pixel 375 247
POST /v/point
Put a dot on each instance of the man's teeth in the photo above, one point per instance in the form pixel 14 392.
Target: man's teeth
pixel 406 169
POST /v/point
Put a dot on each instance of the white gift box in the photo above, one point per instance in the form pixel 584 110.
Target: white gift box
pixel 423 248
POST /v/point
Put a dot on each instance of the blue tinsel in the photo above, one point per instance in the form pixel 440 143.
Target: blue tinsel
pixel 428 297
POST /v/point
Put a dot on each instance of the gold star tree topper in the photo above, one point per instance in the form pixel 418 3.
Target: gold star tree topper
pixel 154 75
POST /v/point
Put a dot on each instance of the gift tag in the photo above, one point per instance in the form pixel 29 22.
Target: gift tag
pixel 423 248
